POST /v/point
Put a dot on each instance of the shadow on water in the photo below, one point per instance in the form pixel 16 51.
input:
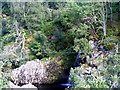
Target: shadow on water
pixel 54 86
pixel 57 86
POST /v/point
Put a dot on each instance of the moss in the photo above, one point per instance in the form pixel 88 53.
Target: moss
pixel 55 71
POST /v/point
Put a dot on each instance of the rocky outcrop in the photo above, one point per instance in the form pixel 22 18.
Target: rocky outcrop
pixel 38 72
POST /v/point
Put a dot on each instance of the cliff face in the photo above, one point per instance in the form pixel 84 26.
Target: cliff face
pixel 38 72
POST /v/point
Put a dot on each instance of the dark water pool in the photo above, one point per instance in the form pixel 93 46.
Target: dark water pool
pixel 54 86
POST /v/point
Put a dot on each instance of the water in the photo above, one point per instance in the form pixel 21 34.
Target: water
pixel 54 86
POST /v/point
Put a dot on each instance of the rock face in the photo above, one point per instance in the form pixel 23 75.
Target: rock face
pixel 38 72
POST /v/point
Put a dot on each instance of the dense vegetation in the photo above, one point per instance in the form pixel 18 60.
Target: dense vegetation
pixel 60 31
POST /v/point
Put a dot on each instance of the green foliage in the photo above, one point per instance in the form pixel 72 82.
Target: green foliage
pixel 6 8
pixel 109 42
pixel 106 76
pixel 47 28
pixel 38 50
pixel 3 80
pixel 82 45
pixel 112 32
pixel 8 32
pixel 8 38
pixel 108 46
pixel 115 7
pixel 86 81
pixel 13 58
pixel 40 37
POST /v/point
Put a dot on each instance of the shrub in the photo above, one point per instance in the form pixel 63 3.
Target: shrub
pixel 40 37
pixel 3 80
pixel 106 76
pixel 38 50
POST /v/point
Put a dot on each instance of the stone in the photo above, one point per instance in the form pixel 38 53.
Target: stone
pixel 12 85
pixel 24 87
pixel 39 72
pixel 29 86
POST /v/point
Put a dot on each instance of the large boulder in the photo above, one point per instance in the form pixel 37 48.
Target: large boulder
pixel 39 72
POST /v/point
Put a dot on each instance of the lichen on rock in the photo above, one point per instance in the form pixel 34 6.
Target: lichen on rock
pixel 38 72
